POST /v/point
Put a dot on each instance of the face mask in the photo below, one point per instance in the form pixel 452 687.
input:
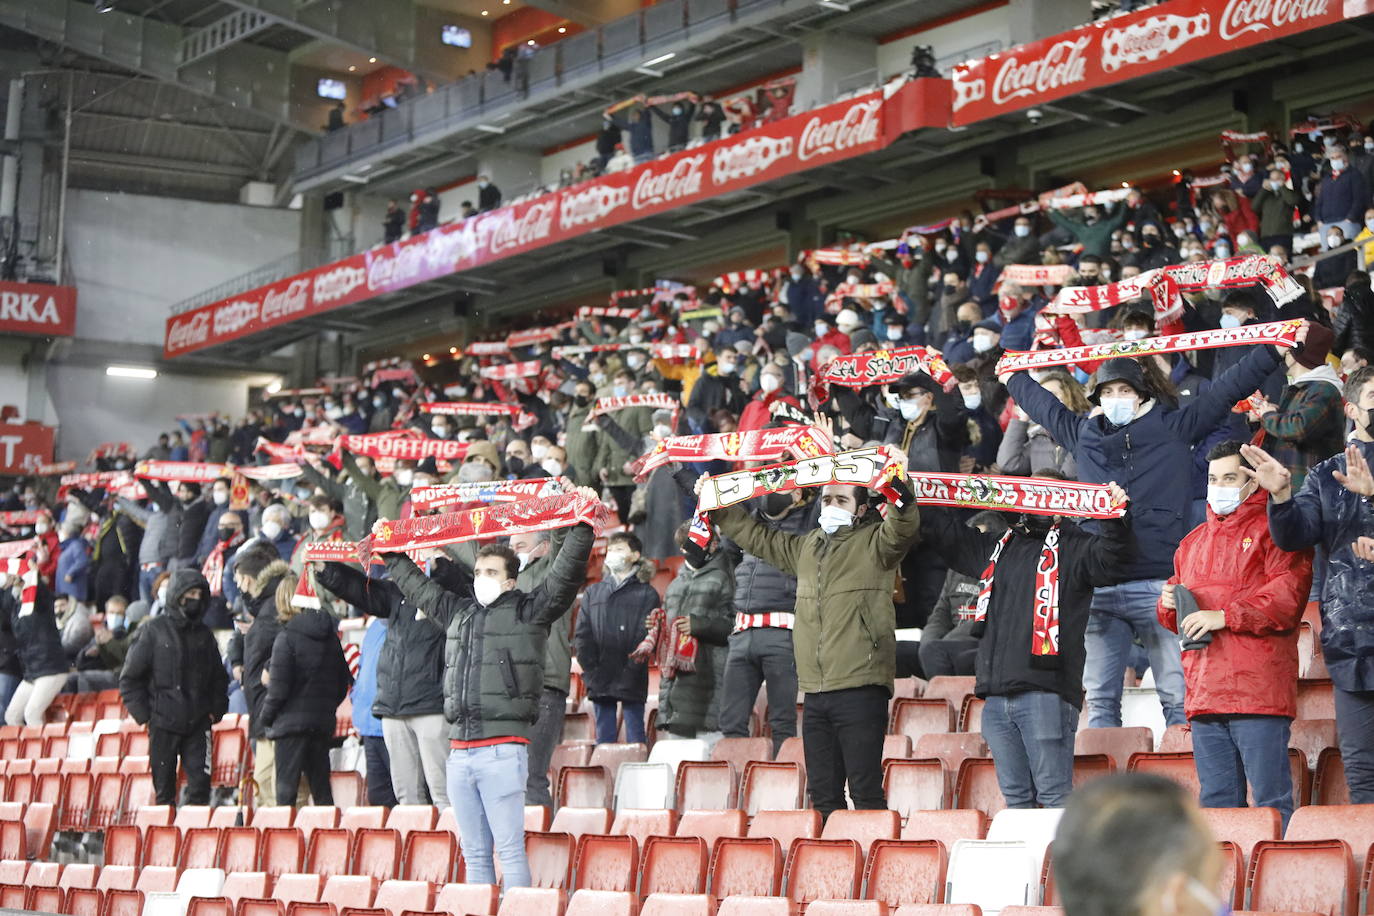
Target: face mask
pixel 439 430
pixel 973 401
pixel 833 518
pixel 193 608
pixel 725 368
pixel 663 430
pixel 524 559
pixel 219 496
pixel 796 273
pixel 378 402
pixel 1034 525
pixel 1333 241
pixel 982 343
pixel 403 477
pixel 911 410
pixel 486 590
pixel 226 533
pixel 619 391
pixel 162 594
pixel 271 530
pixel 1223 251
pixel 940 247
pixel 981 257
pixel 597 378
pixel 618 562
pixel 952 254
pixel 483 184
pixel 1021 231
pixel 553 466
pixel 1205 226
pixel 676 110
pixel 114 622
pixel 769 383
pixel 1229 320
pixel 1369 224
pixel 1118 411
pixel 319 520
pixel 821 329
pixel 1337 165
pixel 894 332
pixel 333 413
pixel 636 338
pixel 1134 334
pixel 41 527
pixel 1223 500
pixel 538 451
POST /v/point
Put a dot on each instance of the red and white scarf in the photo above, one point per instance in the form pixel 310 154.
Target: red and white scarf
pixel 26 571
pixel 861 291
pixel 656 401
pixel 530 336
pixel 475 524
pixel 1276 333
pixel 608 311
pixel 471 408
pixel 9 550
pixel 1037 274
pixel 486 348
pixel 283 471
pixel 1045 626
pixel 19 518
pixel 675 653
pixel 188 471
pixel 52 470
pixel 840 257
pixel 880 367
pixel 1165 285
pixel 735 279
pixel 305 596
pixel 526 369
pixel 1032 495
pixel 448 495
pixel 382 445
pixel 754 445
pixel 213 570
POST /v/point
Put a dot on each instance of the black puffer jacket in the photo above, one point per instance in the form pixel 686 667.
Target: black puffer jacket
pixel 609 627
pixel 173 677
pixel 494 654
pixel 257 644
pixel 762 587
pixel 309 677
pixel 39 642
pixel 410 667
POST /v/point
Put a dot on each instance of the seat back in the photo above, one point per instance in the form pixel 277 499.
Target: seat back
pixel 916 785
pixel 992 875
pixel 676 905
pixel 823 870
pixel 590 902
pixel 740 751
pixel 584 787
pixel 710 825
pixel 862 826
pixel 406 818
pixel 550 857
pixel 1034 827
pixel 478 899
pixel 641 824
pixel 674 865
pixel 745 866
pixel 238 885
pixel 1117 743
pixel 905 871
pixel 1244 826
pixel 376 852
pixel 349 890
pixel 1313 876
pixel 283 850
pixel 644 785
pixel 298 887
pixel 1175 765
pixel 952 748
pixel 430 855
pixel 706 785
pixel 976 786
pixel 533 901
pixel 771 787
pixel 954 689
pixel 606 863
pixel 398 896
pixel 786 826
pixel 916 717
pixel 1352 823
pixel 578 821
pixel 329 851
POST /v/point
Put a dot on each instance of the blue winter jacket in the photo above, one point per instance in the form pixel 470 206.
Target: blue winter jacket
pixel 1326 513
pixel 1151 456
pixel 73 569
pixel 365 687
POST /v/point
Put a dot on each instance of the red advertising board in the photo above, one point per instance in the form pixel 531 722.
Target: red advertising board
pixel 25 447
pixel 37 308
pixel 824 135
pixel 1123 47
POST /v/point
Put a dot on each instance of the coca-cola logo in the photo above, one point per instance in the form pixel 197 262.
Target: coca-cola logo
pixel 280 304
pixel 579 208
pixel 858 126
pixel 1242 16
pixel 1151 39
pixel 968 90
pixel 233 316
pixel 534 225
pixel 188 332
pixel 1063 64
pixel 337 283
pixel 748 157
pixel 682 181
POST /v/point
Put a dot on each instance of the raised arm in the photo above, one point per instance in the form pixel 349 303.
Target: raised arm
pixel 964 549
pixel 774 547
pixel 311 473
pixel 901 529
pixel 1046 409
pixel 1198 419
pixel 421 591
pixel 364 482
pixel 375 596
pixel 566 575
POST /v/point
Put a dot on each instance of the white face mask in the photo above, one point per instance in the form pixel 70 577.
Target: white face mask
pixel 1118 411
pixel 1333 241
pixel 271 530
pixel 1021 231
pixel 636 338
pixel 769 382
pixel 486 590
pixel 833 518
pixel 440 430
pixel 663 430
pixel 634 361
pixel 911 410
pixel 319 520
pixel 1134 334
pixel 524 559
pixel 981 257
pixel 539 451
pixel 333 413
pixel 894 332
pixel 618 562
pixel 1223 500
pixel 403 477
pixel 822 329
pixel 41 527
pixel 162 593
pixel 973 401
pixel 553 466
pixel 1229 320
pixel 219 496
pixel 982 343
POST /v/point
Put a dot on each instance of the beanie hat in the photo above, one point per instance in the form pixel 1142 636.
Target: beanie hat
pixel 1315 349
pixel 305 596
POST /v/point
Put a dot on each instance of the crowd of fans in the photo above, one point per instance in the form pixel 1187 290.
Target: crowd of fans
pixel 1234 464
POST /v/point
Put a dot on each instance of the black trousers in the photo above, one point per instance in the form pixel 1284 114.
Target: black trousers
pixel 164 747
pixel 758 656
pixel 306 753
pixel 842 738
pixel 379 791
pixel 947 657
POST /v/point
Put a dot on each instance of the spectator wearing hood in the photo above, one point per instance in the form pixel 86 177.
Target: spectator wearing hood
pixel 308 679
pixel 174 682
pixel 1308 425
pixel 1142 444
pixel 73 564
pixel 39 647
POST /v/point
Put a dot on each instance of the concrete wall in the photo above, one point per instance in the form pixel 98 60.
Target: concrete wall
pixel 974 36
pixel 134 256
pixel 433 54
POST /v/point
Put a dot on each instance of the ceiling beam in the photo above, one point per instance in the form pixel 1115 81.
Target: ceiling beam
pixel 253 79
pixel 142 163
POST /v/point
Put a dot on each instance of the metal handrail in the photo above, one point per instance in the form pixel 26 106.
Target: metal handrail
pixel 296 262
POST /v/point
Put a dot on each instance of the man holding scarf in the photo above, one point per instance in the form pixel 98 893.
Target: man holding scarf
pixel 844 630
pixel 1035 586
pixel 228 539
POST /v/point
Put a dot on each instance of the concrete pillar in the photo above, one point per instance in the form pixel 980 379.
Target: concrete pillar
pixel 514 171
pixel 833 62
pixel 1031 20
pixel 314 223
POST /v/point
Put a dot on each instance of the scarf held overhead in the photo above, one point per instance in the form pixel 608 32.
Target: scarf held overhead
pixel 1276 333
pixel 447 495
pixel 383 446
pixel 881 367
pixel 1034 495
pixel 476 524
pixel 754 445
pixel 188 471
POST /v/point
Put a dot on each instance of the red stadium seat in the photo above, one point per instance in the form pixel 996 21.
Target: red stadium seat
pixel 1328 785
pixel 275 816
pixel 116 877
pixel 677 905
pixel 122 903
pixel 971 714
pixel 823 870
pixel 914 718
pixel 905 871
pixel 847 908
pixel 1309 876
pixel 864 827
pixel 578 821
pixel 123 846
pixel 1243 826
pixel 1312 736
pixel 952 748
pixel 282 850
pixel 740 751
pixel 537 817
pixel 45 899
pixel 916 785
pixel 1316 700
pixel 189 817
pixel 349 890
pixel 238 885
pixel 105 801
pixel 584 787
pixel 745 866
pixel 75 811
pixel 1352 823
pixel 551 858
pixel 395 897
pixel 200 848
pixel 157 880
pixel 602 903
pixel 239 847
pixel 13 896
pixel 406 818
pixel 1087 767
pixel 314 817
pixel 362 817
pixel 643 823
pixel 429 855
pixel 976 787
pixel 228 757
pixel 786 826
pixel 475 899
pixel 1117 743
pixel 709 825
pixel 606 863
pixel 533 901
pixel 376 852
pixel 329 851
pixel 946 826
pixel 1177 766
pixel 210 906
pixel 162 846
pixel 742 905
pixel 674 865
pixel 706 785
pixel 83 902
pixel 771 787
pixel 348 788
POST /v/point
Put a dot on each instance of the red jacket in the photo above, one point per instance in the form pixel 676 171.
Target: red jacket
pixel 1231 564
pixel 757 413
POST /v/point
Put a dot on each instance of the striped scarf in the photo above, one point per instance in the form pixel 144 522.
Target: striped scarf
pixel 1045 628
pixel 213 570
pixel 27 573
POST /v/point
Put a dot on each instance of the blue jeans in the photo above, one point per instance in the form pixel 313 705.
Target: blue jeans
pixel 606 730
pixel 9 683
pixel 1118 613
pixel 1031 738
pixel 1355 726
pixel 1229 750
pixel 146 577
pixel 487 788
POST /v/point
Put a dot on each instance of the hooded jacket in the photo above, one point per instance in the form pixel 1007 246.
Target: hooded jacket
pixel 689 702
pixel 494 654
pixel 1146 455
pixel 410 668
pixel 844 634
pixel 1309 425
pixel 1086 561
pixel 609 627
pixel 173 677
pixel 257 643
pixel 1231 564
pixel 309 677
pixel 1324 512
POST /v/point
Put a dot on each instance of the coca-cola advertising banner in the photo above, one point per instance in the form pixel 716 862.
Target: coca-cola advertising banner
pixel 1123 47
pixel 38 308
pixel 828 134
pixel 25 447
